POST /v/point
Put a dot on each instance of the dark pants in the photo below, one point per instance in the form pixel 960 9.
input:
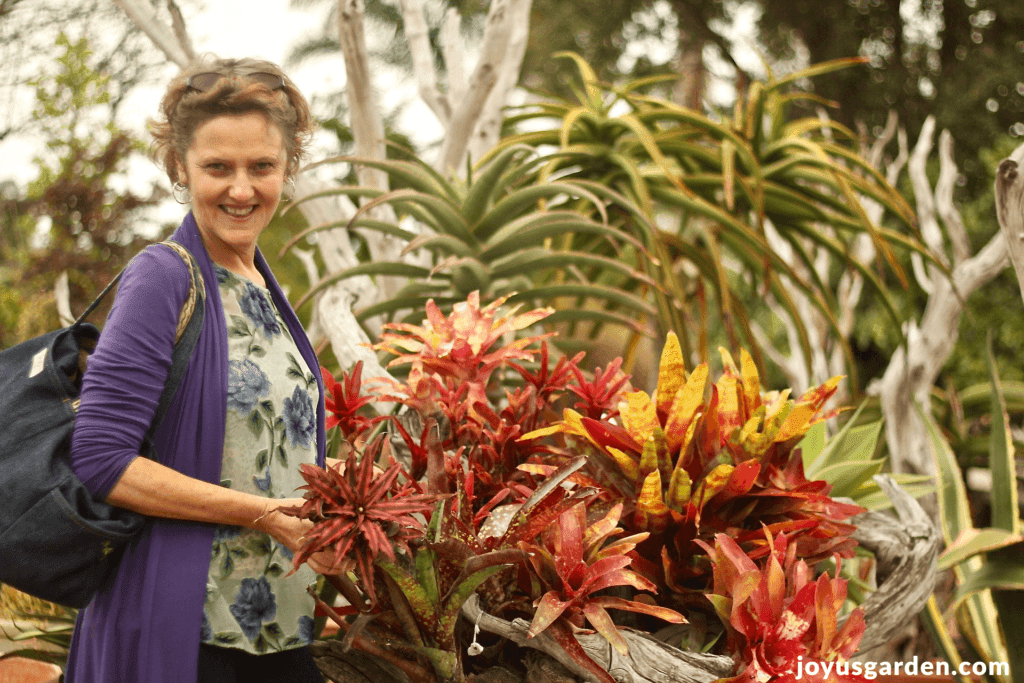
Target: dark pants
pixel 228 665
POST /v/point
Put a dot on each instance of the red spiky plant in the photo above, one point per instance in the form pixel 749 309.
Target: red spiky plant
pixel 702 478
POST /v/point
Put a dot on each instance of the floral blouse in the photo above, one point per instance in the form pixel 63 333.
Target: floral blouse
pixel 271 428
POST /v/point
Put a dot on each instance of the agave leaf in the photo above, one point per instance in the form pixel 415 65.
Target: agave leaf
pixel 534 229
pixel 512 205
pixel 868 495
pixel 536 259
pixel 590 82
pixel 817 70
pixel 379 268
pixel 973 542
pixel 414 172
pixel 1005 512
pixel 348 191
pixel 379 226
pixel 995 573
pixel 481 193
pixel 586 291
pixel 439 242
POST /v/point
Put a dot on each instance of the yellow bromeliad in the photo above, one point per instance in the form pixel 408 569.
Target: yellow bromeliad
pixel 702 458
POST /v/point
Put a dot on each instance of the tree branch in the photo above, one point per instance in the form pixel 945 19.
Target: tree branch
pixel 1010 208
pixel 168 40
pixel 417 35
pixel 467 113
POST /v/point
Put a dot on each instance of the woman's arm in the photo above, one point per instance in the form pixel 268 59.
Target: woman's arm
pixel 149 488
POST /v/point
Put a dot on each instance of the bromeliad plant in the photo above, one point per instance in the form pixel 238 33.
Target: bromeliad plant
pixel 694 460
pixel 564 498
pixel 779 618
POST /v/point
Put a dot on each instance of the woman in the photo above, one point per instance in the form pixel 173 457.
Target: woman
pixel 203 594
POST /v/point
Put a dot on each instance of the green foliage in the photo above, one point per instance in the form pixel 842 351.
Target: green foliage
pixel 714 187
pixel 84 224
pixel 986 562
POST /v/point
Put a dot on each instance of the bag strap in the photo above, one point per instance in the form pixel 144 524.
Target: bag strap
pixel 190 324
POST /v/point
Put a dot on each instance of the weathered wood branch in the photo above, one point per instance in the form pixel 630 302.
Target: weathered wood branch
pixel 418 37
pixel 906 548
pixel 488 127
pixel 906 551
pixel 467 111
pixel 1010 208
pixel 364 113
pixel 454 55
pixel 167 40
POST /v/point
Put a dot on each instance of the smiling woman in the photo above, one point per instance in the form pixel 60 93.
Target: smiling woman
pixel 205 592
pixel 235 170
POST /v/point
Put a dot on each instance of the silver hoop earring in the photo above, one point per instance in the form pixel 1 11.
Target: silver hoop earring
pixel 181 193
pixel 290 192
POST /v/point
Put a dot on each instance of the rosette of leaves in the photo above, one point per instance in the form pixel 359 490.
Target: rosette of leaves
pixel 778 616
pixel 499 233
pixel 345 403
pixel 456 362
pixel 574 563
pixel 358 514
pixel 693 460
pixel 722 184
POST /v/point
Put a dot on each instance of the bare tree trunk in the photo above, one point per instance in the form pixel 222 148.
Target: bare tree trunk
pixel 173 43
pixel 1010 209
pixel 912 371
pixel 493 60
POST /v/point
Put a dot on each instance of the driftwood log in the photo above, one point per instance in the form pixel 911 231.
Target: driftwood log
pixel 905 547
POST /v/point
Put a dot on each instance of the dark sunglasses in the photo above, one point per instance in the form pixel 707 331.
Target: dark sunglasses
pixel 204 81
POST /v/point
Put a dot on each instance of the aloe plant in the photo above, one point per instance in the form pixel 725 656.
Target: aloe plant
pixel 496 234
pixel 987 563
pixel 719 183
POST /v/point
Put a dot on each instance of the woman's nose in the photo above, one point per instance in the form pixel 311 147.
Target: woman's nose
pixel 241 187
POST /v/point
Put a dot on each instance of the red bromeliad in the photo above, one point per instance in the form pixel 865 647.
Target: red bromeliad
pixel 779 619
pixel 690 466
pixel 344 402
pixel 359 514
pixel 574 564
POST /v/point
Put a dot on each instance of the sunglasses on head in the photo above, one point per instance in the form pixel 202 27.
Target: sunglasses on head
pixel 204 81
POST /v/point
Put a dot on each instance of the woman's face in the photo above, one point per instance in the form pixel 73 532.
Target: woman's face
pixel 235 171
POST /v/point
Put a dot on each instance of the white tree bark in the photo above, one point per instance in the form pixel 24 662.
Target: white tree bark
pixel 466 114
pixel 913 369
pixel 170 41
pixel 418 37
pixel 1010 208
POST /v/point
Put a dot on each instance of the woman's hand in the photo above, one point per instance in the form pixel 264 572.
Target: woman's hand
pixel 291 531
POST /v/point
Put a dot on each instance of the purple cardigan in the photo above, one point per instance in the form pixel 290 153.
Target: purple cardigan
pixel 143 626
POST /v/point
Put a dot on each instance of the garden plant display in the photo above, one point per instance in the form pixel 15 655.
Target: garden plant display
pixel 573 502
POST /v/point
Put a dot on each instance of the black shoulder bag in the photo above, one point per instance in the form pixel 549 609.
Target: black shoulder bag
pixel 56 542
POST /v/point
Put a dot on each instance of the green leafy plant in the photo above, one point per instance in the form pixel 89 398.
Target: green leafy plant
pixel 986 562
pixel 721 185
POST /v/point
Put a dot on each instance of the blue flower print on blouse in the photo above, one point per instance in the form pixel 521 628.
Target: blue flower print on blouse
pixel 306 629
pixel 254 604
pixel 299 418
pixel 262 484
pixel 246 385
pixel 260 311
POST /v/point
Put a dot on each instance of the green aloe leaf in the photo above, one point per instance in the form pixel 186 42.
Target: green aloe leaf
pixel 379 268
pixel 995 573
pixel 973 542
pixel 1005 513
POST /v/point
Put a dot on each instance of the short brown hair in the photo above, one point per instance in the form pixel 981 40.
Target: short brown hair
pixel 185 109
